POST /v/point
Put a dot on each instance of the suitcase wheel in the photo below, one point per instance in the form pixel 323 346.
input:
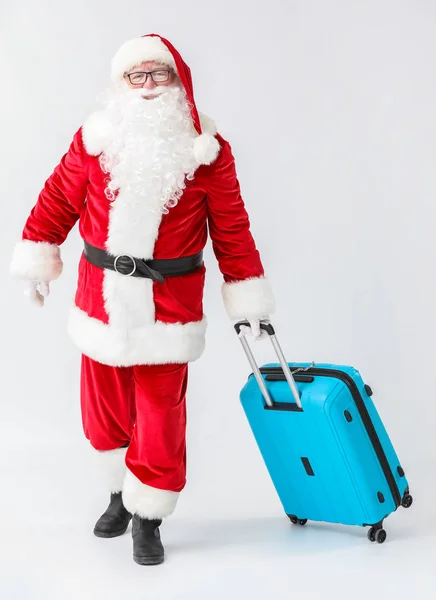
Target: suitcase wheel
pixel 407 501
pixel 296 521
pixel 377 535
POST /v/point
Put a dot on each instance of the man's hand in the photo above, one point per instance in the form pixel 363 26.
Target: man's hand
pixel 254 329
pixel 37 291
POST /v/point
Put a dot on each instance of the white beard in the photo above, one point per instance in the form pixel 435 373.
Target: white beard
pixel 148 158
pixel 151 148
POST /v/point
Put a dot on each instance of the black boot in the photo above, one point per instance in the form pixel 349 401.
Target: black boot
pixel 115 520
pixel 147 546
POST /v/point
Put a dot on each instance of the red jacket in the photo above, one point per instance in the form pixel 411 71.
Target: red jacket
pixel 120 320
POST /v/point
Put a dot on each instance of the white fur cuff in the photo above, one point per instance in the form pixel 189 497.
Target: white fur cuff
pixel 111 467
pixel 145 501
pixel 36 261
pixel 248 299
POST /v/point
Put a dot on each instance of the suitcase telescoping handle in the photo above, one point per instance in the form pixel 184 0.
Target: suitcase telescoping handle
pixel 282 360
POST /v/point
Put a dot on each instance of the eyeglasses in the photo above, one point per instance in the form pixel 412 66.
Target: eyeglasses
pixel 139 78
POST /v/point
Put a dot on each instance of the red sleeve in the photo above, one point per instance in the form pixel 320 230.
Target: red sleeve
pixel 61 200
pixel 37 256
pixel 229 224
pixel 246 291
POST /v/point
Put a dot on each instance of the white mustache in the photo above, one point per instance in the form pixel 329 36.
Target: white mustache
pixel 157 91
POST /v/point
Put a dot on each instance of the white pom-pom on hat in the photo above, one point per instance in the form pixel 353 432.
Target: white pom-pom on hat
pixel 206 146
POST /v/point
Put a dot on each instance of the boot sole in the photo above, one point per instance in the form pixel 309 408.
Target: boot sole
pixel 148 560
pixel 109 534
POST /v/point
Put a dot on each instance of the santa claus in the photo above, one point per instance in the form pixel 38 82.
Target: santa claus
pixel 145 177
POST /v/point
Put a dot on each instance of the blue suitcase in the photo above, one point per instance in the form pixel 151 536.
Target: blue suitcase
pixel 323 442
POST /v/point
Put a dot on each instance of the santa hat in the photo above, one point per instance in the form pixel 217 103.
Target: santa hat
pixel 153 47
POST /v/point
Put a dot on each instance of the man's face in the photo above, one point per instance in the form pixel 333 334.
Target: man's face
pixel 158 76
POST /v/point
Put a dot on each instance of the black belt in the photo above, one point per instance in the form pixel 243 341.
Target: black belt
pixel 156 269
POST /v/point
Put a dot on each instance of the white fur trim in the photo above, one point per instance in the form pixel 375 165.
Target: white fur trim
pixel 36 261
pixel 155 343
pixel 134 225
pixel 96 133
pixel 133 229
pixel 139 50
pixel 248 299
pixel 145 501
pixel 111 468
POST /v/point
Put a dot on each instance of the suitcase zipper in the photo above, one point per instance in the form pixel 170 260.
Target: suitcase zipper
pixel 366 419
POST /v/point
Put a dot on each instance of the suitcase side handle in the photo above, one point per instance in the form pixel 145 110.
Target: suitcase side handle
pixel 266 326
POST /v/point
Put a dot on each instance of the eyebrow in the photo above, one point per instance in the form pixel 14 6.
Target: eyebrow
pixel 162 68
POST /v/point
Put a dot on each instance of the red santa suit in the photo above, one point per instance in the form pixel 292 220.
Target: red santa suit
pixel 137 335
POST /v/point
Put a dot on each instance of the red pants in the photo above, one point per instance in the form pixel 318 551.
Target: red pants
pixel 142 407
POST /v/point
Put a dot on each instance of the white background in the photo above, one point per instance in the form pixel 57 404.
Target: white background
pixel 330 110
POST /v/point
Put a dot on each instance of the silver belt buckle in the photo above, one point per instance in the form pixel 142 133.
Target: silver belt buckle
pixel 127 256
